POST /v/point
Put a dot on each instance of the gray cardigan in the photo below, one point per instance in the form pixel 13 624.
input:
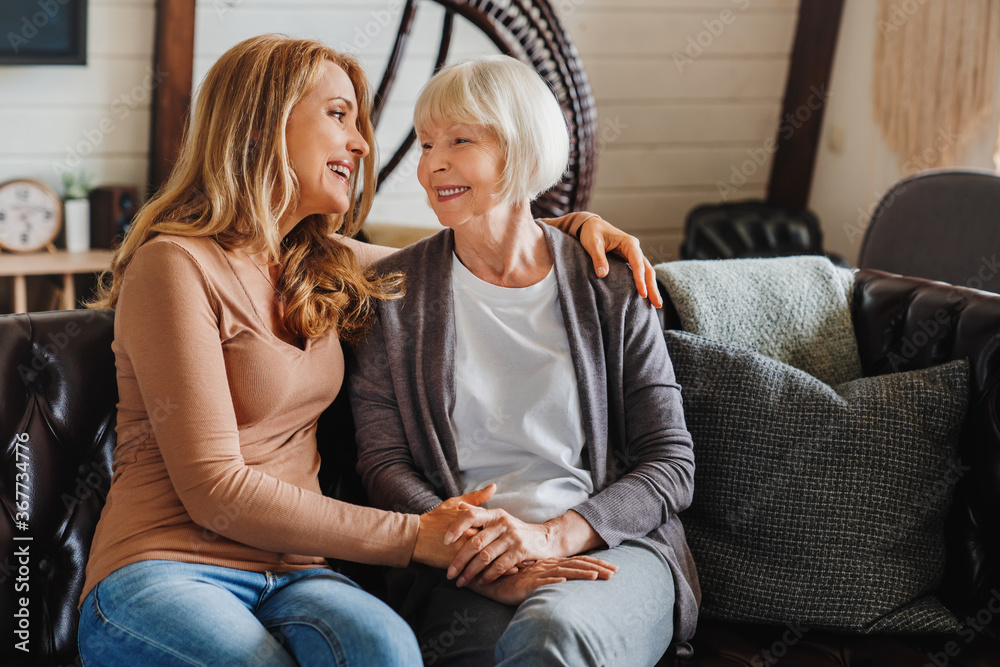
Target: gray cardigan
pixel 638 448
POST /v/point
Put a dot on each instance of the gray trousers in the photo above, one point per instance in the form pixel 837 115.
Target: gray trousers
pixel 626 620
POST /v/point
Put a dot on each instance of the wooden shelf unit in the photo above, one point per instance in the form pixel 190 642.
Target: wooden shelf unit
pixel 58 263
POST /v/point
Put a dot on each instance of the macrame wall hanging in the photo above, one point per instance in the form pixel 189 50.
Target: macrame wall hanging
pixel 936 66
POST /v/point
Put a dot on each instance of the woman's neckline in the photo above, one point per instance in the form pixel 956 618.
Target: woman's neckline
pixel 255 295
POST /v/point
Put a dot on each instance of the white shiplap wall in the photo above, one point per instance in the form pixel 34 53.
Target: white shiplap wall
pixel 678 121
pixel 854 166
pixel 671 131
pixel 94 117
pixel 367 30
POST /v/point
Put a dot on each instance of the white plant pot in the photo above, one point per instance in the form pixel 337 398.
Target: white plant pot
pixel 77 222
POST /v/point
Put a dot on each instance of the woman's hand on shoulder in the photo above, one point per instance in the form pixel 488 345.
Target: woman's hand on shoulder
pixel 599 237
pixel 513 589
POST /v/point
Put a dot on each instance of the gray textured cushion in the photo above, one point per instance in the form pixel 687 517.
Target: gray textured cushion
pixel 793 309
pixel 818 505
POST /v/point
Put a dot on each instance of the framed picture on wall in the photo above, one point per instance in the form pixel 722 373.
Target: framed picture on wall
pixel 43 32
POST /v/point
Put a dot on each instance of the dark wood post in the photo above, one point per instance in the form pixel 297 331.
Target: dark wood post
pixel 806 95
pixel 174 66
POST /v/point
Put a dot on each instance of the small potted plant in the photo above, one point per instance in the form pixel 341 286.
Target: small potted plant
pixel 77 211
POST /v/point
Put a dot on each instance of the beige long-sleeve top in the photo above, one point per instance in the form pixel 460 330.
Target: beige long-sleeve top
pixel 216 461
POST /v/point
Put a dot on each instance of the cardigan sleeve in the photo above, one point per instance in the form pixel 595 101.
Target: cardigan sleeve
pixel 385 461
pixel 656 461
pixel 170 329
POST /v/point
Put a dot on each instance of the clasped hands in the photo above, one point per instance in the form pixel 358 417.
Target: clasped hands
pixel 502 557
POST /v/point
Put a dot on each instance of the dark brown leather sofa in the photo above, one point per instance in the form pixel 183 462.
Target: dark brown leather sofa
pixel 58 388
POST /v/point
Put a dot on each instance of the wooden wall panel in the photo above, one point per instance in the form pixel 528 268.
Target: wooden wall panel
pixel 55 118
pixel 805 100
pixel 672 131
pixel 175 25
pixel 687 105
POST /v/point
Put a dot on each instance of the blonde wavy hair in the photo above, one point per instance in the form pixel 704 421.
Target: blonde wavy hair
pixel 233 181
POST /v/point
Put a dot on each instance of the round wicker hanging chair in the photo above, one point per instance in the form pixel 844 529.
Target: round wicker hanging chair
pixel 530 31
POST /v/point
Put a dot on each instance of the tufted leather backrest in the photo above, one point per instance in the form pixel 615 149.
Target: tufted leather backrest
pixel 57 385
pixel 906 323
pixel 57 394
pixel 750 228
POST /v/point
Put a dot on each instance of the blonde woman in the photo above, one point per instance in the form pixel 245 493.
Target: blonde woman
pixel 509 363
pixel 233 295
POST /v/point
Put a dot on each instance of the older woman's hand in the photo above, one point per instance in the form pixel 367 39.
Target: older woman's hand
pixel 504 541
pixel 513 589
pixel 599 237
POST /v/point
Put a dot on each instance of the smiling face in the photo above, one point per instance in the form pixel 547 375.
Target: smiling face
pixel 324 144
pixel 460 169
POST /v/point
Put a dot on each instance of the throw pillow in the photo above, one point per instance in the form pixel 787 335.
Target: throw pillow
pixel 814 504
pixel 793 309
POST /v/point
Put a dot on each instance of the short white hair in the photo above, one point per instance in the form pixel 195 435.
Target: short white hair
pixel 510 99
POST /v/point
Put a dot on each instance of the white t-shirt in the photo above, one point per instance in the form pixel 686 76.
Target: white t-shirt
pixel 517 419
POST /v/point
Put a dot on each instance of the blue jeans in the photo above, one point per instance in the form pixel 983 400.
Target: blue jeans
pixel 624 621
pixel 160 612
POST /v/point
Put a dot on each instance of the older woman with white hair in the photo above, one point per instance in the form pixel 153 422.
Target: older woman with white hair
pixel 509 362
